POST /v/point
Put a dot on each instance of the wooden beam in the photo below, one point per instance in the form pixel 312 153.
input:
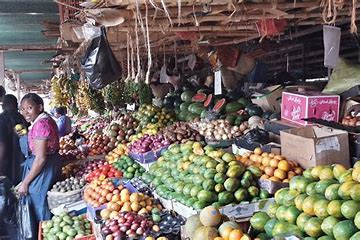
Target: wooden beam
pixel 194 29
pixel 33 47
pixel 33 70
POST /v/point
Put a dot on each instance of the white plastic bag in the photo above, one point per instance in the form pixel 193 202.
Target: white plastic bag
pixel 331 42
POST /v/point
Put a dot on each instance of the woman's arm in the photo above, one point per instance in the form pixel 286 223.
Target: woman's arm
pixel 40 147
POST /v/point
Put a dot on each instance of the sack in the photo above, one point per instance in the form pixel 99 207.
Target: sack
pixel 25 219
pixel 7 201
pixel 99 63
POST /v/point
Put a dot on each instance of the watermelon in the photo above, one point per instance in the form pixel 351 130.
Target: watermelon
pixel 187 96
pixel 199 97
pixel 233 107
pixel 220 104
pixel 254 110
pixel 184 106
pixel 208 100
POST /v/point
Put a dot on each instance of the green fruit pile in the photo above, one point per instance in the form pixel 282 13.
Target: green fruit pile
pixel 65 227
pixel 324 203
pixel 199 176
pixel 152 114
pixel 129 167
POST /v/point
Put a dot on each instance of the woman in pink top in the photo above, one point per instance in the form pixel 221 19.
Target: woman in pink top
pixel 42 165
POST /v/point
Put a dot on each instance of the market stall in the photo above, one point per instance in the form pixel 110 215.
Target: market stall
pixel 207 120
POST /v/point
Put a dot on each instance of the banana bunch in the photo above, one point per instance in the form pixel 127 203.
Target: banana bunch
pixel 82 97
pixel 97 103
pixel 113 95
pixel 60 95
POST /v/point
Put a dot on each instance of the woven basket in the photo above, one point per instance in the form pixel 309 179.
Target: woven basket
pixel 57 198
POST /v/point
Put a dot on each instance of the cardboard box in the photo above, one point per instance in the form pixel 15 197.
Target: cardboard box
pixel 298 106
pixel 269 99
pixel 316 145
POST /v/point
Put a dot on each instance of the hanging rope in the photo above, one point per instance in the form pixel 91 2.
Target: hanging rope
pixel 147 75
pixel 132 56
pixel 128 55
pixel 137 47
pixel 179 12
pixel 330 9
pixel 353 17
pixel 167 13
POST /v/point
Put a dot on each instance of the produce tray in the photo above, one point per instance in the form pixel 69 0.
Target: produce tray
pixel 233 211
pixel 168 204
pixel 335 125
pixel 88 237
pixel 148 157
pixel 270 186
pixel 78 208
pixel 183 210
pixel 220 144
pixel 92 212
pixel 245 210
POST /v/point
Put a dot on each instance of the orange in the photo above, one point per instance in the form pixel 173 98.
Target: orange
pixel 274 179
pixel 226 232
pixel 271 155
pixel 278 157
pixel 266 161
pixel 291 174
pixel 298 170
pixel 274 163
pixel 236 234
pixel 286 180
pixel 279 173
pixel 253 157
pixel 284 165
pixel 218 238
pixel 259 159
pixel 264 176
pixel 269 171
pixel 257 151
pixel 264 154
pixel 262 167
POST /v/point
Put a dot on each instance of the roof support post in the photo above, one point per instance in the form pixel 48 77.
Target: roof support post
pixel 2 69
pixel 18 85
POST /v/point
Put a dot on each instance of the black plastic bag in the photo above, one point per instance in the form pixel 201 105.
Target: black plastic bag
pixel 99 63
pixel 25 219
pixel 7 201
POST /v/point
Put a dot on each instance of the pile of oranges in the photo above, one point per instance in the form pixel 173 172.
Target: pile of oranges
pixel 116 153
pixel 117 199
pixel 275 167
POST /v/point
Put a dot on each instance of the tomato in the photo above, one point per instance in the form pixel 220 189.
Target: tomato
pixel 118 174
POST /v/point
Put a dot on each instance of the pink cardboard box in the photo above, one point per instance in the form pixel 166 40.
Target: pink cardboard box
pixel 296 106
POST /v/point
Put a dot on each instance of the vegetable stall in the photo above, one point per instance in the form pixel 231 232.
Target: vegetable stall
pixel 207 120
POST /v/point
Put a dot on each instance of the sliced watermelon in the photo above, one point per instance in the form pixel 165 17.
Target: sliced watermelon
pixel 219 106
pixel 208 100
pixel 199 97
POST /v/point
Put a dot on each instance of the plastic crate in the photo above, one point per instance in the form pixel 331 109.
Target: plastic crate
pixel 88 237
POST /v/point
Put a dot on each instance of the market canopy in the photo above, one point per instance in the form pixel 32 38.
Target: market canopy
pixel 28 37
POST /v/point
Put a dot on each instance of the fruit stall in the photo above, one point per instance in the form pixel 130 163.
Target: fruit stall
pixel 207 120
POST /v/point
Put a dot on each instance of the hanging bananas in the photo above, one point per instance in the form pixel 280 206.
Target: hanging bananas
pixel 60 95
pixel 82 97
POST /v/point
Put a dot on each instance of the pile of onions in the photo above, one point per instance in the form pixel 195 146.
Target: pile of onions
pixel 128 224
pixel 149 143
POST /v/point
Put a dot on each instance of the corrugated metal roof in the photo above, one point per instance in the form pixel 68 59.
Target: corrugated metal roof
pixel 21 27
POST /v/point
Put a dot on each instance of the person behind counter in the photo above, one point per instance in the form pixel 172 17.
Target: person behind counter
pixel 42 166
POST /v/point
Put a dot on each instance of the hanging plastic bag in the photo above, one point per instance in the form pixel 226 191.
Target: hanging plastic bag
pixel 344 77
pixel 7 201
pixel 99 64
pixel 331 42
pixel 25 219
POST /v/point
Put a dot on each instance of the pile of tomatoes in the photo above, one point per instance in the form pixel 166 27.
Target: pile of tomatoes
pixel 102 172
